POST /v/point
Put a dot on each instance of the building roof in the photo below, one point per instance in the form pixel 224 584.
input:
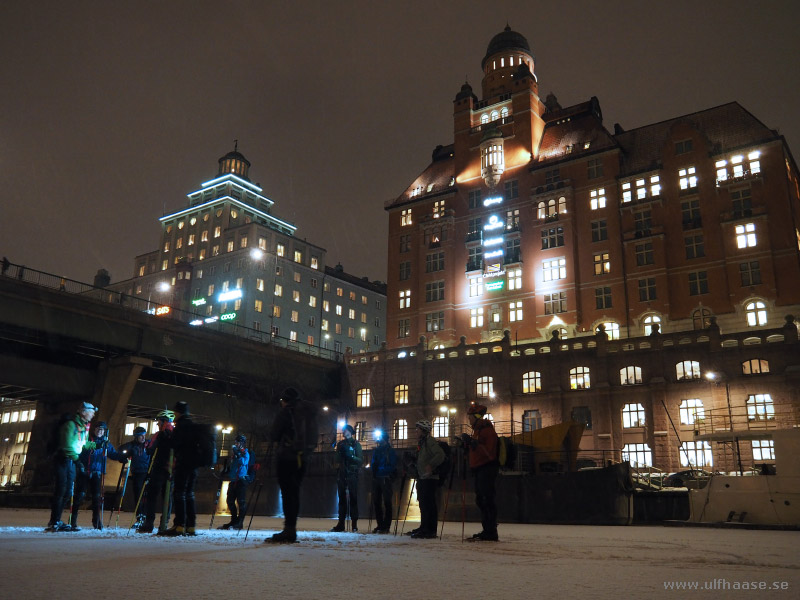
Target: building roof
pixel 568 131
pixel 504 41
pixel 726 127
pixel 439 174
pixel 377 287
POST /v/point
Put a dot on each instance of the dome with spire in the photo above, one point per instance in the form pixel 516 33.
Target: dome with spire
pixel 507 40
pixel 234 162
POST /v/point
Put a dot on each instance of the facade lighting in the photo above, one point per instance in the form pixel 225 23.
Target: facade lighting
pixel 231 295
pixel 493 200
pixel 493 241
pixel 494 223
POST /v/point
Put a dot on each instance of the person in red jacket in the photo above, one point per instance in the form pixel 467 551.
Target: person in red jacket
pixel 482 445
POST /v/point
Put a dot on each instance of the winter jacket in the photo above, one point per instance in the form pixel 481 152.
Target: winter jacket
pixel 184 443
pixel 159 447
pixel 484 446
pixel 429 456
pixel 350 456
pixel 140 459
pixel 294 431
pixel 384 461
pixel 92 460
pixel 73 437
pixel 239 464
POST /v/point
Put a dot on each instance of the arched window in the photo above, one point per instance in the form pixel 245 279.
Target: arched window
pixel 687 369
pixel 484 118
pixel 363 398
pixel 760 408
pixel 691 409
pixel 639 455
pixel 494 116
pixel 441 391
pixel 504 112
pixel 401 394
pixel 441 427
pixel 696 454
pixel 755 366
pixel 611 329
pixel 630 375
pixel 562 205
pixel 701 318
pixel 649 321
pixel 531 382
pixel 542 210
pixel 551 207
pixel 400 429
pixel 632 416
pixel 756 313
pixel 579 378
pixel 484 386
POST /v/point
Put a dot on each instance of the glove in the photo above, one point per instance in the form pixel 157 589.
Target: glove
pixel 466 439
pixel 124 460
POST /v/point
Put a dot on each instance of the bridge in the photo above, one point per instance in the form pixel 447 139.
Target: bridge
pixel 63 341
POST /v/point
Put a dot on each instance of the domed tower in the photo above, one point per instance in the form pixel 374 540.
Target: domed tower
pixel 508 52
pixel 234 162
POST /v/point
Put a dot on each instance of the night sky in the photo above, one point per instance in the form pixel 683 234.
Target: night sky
pixel 113 111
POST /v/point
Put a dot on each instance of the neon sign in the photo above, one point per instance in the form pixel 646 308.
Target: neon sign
pixel 228 317
pixel 196 322
pixel 211 319
pixel 494 285
pixel 494 253
pixel 493 200
pixel 494 223
pixel 232 295
pixel 162 310
pixel 199 302
pixel 493 241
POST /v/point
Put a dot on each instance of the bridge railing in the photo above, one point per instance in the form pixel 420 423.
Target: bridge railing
pixel 157 310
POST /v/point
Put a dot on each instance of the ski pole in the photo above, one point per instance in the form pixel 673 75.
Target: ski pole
pixel 253 514
pixel 103 480
pixel 410 494
pixel 116 492
pixel 369 501
pixel 463 499
pixel 144 487
pixel 121 496
pixel 219 492
pixel 446 502
pixel 399 503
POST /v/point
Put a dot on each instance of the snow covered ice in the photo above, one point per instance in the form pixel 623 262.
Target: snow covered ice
pixel 530 561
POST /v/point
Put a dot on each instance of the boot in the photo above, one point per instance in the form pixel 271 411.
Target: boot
pixel 174 531
pixel 338 527
pixel 355 526
pixel 190 531
pixel 97 523
pixel 226 525
pixel 146 527
pixel 284 537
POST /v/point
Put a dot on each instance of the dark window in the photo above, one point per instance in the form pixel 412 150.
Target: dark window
pixel 434 291
pixel 434 321
pixel 742 203
pixel 403 328
pixel 405 270
pixel 582 414
pixel 683 146
pixel 694 246
pixel 475 199
pixel 552 176
pixel 511 189
pixel 434 262
pixel 595 168
pixel 405 243
pixel 602 297
pixel 690 214
pixel 644 254
pixel 599 231
pixel 531 420
pixel 643 222
pixel 555 303
pixel 750 273
pixel 512 251
pixel 647 289
pixel 698 283
pixel 552 238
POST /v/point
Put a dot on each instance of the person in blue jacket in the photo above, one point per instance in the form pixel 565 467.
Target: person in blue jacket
pixel 94 463
pixel 136 451
pixel 237 488
pixel 384 470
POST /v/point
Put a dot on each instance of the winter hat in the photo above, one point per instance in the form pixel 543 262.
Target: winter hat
pixel 87 406
pixel 240 439
pixel 290 395
pixel 101 424
pixel 349 428
pixel 425 425
pixel 477 409
pixel 181 408
pixel 139 431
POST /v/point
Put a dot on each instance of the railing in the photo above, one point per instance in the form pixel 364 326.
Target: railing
pixel 157 310
pixel 752 418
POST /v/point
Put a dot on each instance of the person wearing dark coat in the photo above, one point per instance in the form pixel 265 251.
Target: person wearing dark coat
pixel 185 474
pixel 350 456
pixel 294 437
pixel 136 451
pixel 91 476
pixel 384 470
pixel 158 448
pixel 483 463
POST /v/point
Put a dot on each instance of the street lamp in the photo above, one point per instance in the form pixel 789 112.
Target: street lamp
pixel 451 419
pixel 717 379
pixel 225 431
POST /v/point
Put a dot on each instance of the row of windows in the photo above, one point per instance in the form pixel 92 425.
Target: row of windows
pixel 695 454
pixel 18 416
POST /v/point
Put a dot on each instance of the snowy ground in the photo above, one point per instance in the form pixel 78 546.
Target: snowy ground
pixel 530 561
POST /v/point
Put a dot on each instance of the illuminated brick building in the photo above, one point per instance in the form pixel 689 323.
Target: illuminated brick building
pixel 537 218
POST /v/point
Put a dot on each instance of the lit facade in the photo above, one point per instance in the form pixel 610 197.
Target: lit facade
pixel 227 257
pixel 538 219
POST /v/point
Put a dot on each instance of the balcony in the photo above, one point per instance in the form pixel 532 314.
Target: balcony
pixel 512 258
pixel 745 176
pixel 474 236
pixel 495 123
pixel 475 265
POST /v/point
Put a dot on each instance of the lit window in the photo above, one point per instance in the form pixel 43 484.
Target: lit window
pixel 495 115
pixel 602 264
pixel 554 269
pixel 405 217
pixel 339 292
pixel 405 298
pixel 441 391
pixel 441 427
pixel 655 185
pixel 296 295
pixel 515 311
pixel 579 378
pixel 293 336
pixel 555 303
pixel 339 310
pixel 475 287
pixel 400 429
pixel 597 198
pixel 191 239
pixel 434 321
pixel 276 311
pixel 217 231
pixel 484 118
pixel 363 398
pixel 760 407
pixel 632 416
pixel 438 208
pixel 687 178
pixel 691 410
pixel 280 250
pixel 401 394
pixel 531 382
pixel 484 386
pixel 627 193
pixel 515 279
pixel 755 366
pixel 755 163
pixel 756 313
pixel 312 301
pixel 650 322
pixel 630 375
pixel 611 329
pixel 476 317
pixel 297 277
pixel 326 305
pixel 687 369
pixel 258 305
pixel 351 314
pixel 278 289
pixel 298 256
pixel 746 235
pixel 639 455
pixel 243 242
pixel 314 262
pixel 763 449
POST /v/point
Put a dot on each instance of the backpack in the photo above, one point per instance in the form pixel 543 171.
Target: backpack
pixel 54 440
pixel 443 470
pixel 204 444
pixel 506 452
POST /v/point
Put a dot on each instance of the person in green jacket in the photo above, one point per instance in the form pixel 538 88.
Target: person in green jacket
pixel 73 436
pixel 429 456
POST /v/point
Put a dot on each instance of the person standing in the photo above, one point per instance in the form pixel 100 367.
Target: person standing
pixel 350 458
pixel 237 487
pixel 429 456
pixel 136 451
pixel 185 474
pixel 158 448
pixel 294 436
pixel 92 474
pixel 483 463
pixel 384 470
pixel 72 437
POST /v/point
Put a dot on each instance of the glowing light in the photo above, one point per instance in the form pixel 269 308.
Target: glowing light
pixel 211 319
pixel 402 354
pixel 163 286
pixel 234 178
pixel 196 322
pixel 233 202
pixel 256 254
pixel 494 285
pixel 199 302
pixel 556 320
pixel 341 423
pixel 378 434
pixel 162 310
pixel 494 223
pixel 493 241
pixel 231 295
pixel 493 200
pixel 494 253
pixel 227 317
